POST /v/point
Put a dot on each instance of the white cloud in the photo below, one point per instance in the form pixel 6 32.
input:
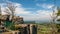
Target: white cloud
pixel 44 14
pixel 3 11
pixel 41 15
pixel 21 11
pixel 46 6
pixel 17 4
pixel 27 15
pixel 3 4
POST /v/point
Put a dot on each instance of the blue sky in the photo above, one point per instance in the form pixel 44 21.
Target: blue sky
pixel 33 10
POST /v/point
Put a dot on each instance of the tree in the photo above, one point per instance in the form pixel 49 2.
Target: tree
pixel 10 10
pixel 58 13
pixel 54 16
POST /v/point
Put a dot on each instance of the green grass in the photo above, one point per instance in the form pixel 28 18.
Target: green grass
pixel 43 29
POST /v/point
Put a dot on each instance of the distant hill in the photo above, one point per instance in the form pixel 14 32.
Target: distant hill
pixel 29 22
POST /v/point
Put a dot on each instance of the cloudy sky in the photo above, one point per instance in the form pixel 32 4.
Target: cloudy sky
pixel 32 10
